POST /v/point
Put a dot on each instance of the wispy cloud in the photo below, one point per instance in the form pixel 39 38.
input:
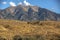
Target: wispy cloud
pixel 26 3
pixel 4 2
pixel 12 4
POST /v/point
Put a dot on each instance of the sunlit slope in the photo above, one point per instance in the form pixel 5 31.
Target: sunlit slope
pixel 47 29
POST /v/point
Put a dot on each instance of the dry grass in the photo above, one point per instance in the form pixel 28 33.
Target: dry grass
pixel 43 30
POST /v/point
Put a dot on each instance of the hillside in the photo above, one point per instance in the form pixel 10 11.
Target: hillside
pixel 29 13
pixel 20 30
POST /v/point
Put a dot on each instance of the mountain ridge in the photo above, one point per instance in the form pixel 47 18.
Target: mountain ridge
pixel 29 13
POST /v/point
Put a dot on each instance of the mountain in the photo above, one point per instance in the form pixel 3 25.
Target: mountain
pixel 29 13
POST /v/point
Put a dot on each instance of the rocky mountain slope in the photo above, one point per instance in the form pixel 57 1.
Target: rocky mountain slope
pixel 29 13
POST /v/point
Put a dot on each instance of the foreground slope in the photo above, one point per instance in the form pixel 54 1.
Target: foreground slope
pixel 20 30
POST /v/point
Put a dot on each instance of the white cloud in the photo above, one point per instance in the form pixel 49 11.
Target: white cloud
pixel 12 3
pixel 26 3
pixel 20 3
pixel 4 2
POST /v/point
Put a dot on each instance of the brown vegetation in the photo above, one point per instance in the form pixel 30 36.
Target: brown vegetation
pixel 20 30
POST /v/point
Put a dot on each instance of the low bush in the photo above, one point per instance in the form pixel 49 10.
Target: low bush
pixel 1 38
pixel 17 37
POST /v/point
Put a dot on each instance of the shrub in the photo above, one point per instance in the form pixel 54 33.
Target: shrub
pixel 58 26
pixel 57 37
pixel 33 22
pixel 39 37
pixel 28 38
pixel 6 26
pixel 54 37
pixel 17 37
pixel 1 38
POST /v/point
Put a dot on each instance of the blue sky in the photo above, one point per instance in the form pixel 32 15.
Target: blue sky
pixel 53 5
